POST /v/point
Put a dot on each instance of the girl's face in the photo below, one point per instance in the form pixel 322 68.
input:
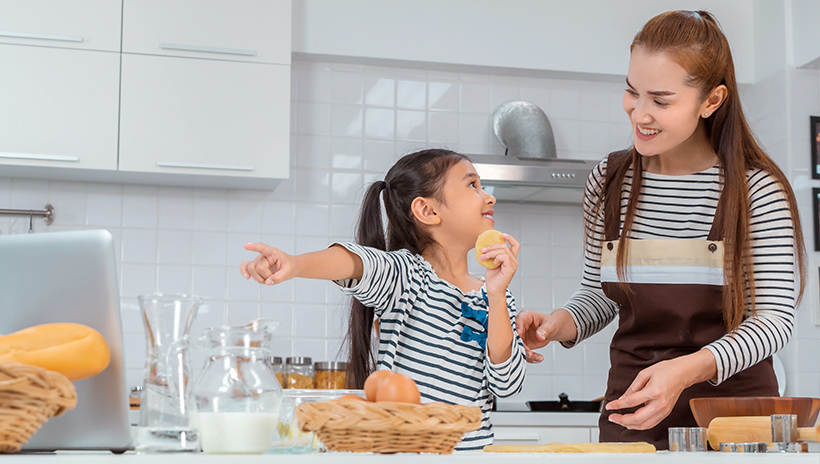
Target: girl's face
pixel 663 109
pixel 467 210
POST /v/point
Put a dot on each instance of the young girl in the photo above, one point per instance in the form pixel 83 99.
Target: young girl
pixel 451 332
pixel 693 240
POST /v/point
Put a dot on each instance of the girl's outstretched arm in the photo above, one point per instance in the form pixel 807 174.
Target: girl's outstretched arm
pixel 274 266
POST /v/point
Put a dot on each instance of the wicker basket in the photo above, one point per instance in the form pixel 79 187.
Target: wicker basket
pixel 361 426
pixel 29 396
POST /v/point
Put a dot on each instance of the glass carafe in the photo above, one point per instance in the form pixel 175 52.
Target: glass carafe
pixel 166 403
pixel 237 393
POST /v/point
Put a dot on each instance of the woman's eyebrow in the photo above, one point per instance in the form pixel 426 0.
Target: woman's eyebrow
pixel 469 175
pixel 656 93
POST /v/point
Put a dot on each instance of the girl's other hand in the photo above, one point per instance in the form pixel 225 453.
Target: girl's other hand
pixel 497 280
pixel 272 266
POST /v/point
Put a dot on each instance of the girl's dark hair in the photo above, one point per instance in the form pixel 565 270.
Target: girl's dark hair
pixel 695 41
pixel 419 174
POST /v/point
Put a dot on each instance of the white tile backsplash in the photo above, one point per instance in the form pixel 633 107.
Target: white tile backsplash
pixel 350 124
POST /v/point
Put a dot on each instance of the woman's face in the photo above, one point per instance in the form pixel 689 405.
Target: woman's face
pixel 663 109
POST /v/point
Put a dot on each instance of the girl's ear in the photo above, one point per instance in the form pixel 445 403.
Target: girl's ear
pixel 424 210
pixel 713 101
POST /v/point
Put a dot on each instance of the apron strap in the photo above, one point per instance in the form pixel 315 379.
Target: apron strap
pixel 612 193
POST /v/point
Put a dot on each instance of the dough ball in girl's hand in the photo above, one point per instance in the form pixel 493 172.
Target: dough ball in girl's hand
pixel 487 238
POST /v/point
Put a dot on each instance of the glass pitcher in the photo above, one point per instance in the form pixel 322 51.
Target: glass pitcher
pixel 166 403
pixel 237 393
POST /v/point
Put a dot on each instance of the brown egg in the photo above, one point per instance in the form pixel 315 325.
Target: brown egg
pixel 371 385
pixel 400 389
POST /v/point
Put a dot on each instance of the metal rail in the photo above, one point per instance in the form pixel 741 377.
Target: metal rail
pixel 47 214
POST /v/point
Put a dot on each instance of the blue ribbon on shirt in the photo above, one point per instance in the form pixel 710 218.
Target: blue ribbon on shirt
pixel 479 315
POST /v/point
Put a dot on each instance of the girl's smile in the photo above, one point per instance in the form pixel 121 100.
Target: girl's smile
pixel 489 215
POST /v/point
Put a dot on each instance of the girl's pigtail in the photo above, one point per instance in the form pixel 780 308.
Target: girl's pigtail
pixel 370 232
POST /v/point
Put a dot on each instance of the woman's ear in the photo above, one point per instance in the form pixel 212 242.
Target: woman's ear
pixel 424 210
pixel 716 98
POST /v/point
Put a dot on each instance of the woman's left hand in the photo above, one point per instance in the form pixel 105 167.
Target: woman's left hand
pixel 658 388
pixel 497 280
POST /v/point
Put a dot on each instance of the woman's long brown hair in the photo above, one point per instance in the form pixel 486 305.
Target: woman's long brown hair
pixel 694 40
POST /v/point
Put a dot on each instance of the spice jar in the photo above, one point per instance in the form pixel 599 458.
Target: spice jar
pixel 278 369
pixel 330 375
pixel 299 373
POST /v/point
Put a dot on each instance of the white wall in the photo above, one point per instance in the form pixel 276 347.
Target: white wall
pixel 806 23
pixel 579 36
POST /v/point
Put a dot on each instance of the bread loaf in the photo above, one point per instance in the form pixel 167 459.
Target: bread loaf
pixel 74 350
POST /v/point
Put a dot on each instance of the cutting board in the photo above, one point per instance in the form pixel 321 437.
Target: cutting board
pixel 750 429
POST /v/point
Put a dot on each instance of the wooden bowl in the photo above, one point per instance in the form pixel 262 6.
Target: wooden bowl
pixel 706 409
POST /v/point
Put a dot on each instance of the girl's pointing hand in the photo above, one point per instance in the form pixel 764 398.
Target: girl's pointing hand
pixel 497 280
pixel 272 266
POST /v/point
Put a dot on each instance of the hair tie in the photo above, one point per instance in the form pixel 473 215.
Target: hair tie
pixel 384 185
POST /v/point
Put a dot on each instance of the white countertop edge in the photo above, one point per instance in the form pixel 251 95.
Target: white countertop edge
pixel 456 458
pixel 544 419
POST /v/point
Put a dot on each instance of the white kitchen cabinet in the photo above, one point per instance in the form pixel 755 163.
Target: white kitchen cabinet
pixel 59 107
pixel 204 117
pixel 237 30
pixel 81 24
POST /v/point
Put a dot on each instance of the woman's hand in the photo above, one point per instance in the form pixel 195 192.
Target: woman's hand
pixel 537 330
pixel 658 388
pixel 272 266
pixel 497 280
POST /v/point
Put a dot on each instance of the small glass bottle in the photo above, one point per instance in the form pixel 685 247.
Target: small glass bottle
pixel 330 375
pixel 278 369
pixel 299 373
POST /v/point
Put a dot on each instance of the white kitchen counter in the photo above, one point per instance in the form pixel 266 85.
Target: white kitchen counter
pixel 458 458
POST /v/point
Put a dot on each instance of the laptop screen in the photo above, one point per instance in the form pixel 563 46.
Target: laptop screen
pixel 70 277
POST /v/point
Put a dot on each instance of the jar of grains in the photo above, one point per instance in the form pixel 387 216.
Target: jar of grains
pixel 330 375
pixel 299 373
pixel 278 369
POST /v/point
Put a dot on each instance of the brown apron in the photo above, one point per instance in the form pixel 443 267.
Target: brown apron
pixel 675 308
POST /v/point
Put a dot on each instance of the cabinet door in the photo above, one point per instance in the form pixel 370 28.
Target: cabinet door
pixel 83 24
pixel 187 116
pixel 239 30
pixel 59 107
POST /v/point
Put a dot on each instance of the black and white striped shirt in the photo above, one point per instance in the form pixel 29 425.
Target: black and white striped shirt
pixel 682 207
pixel 421 322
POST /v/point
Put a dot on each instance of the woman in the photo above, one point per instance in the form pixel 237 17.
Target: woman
pixel 699 258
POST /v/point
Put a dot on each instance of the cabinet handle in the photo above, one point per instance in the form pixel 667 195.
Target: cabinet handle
pixel 195 48
pixel 222 167
pixel 26 35
pixel 27 156
pixel 517 436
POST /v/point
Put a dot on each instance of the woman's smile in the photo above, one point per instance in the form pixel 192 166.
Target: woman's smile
pixel 645 133
pixel 489 215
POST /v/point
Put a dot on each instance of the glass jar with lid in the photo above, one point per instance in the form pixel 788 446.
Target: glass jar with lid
pixel 299 373
pixel 278 368
pixel 330 375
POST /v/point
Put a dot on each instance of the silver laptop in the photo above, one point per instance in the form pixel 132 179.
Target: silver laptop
pixel 70 277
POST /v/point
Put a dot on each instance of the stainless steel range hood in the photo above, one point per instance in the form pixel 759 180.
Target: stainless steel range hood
pixel 510 178
pixel 530 171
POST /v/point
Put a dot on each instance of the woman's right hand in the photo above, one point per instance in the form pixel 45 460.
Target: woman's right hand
pixel 272 266
pixel 537 330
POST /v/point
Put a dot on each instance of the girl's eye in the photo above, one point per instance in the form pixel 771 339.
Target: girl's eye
pixel 661 104
pixel 632 92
